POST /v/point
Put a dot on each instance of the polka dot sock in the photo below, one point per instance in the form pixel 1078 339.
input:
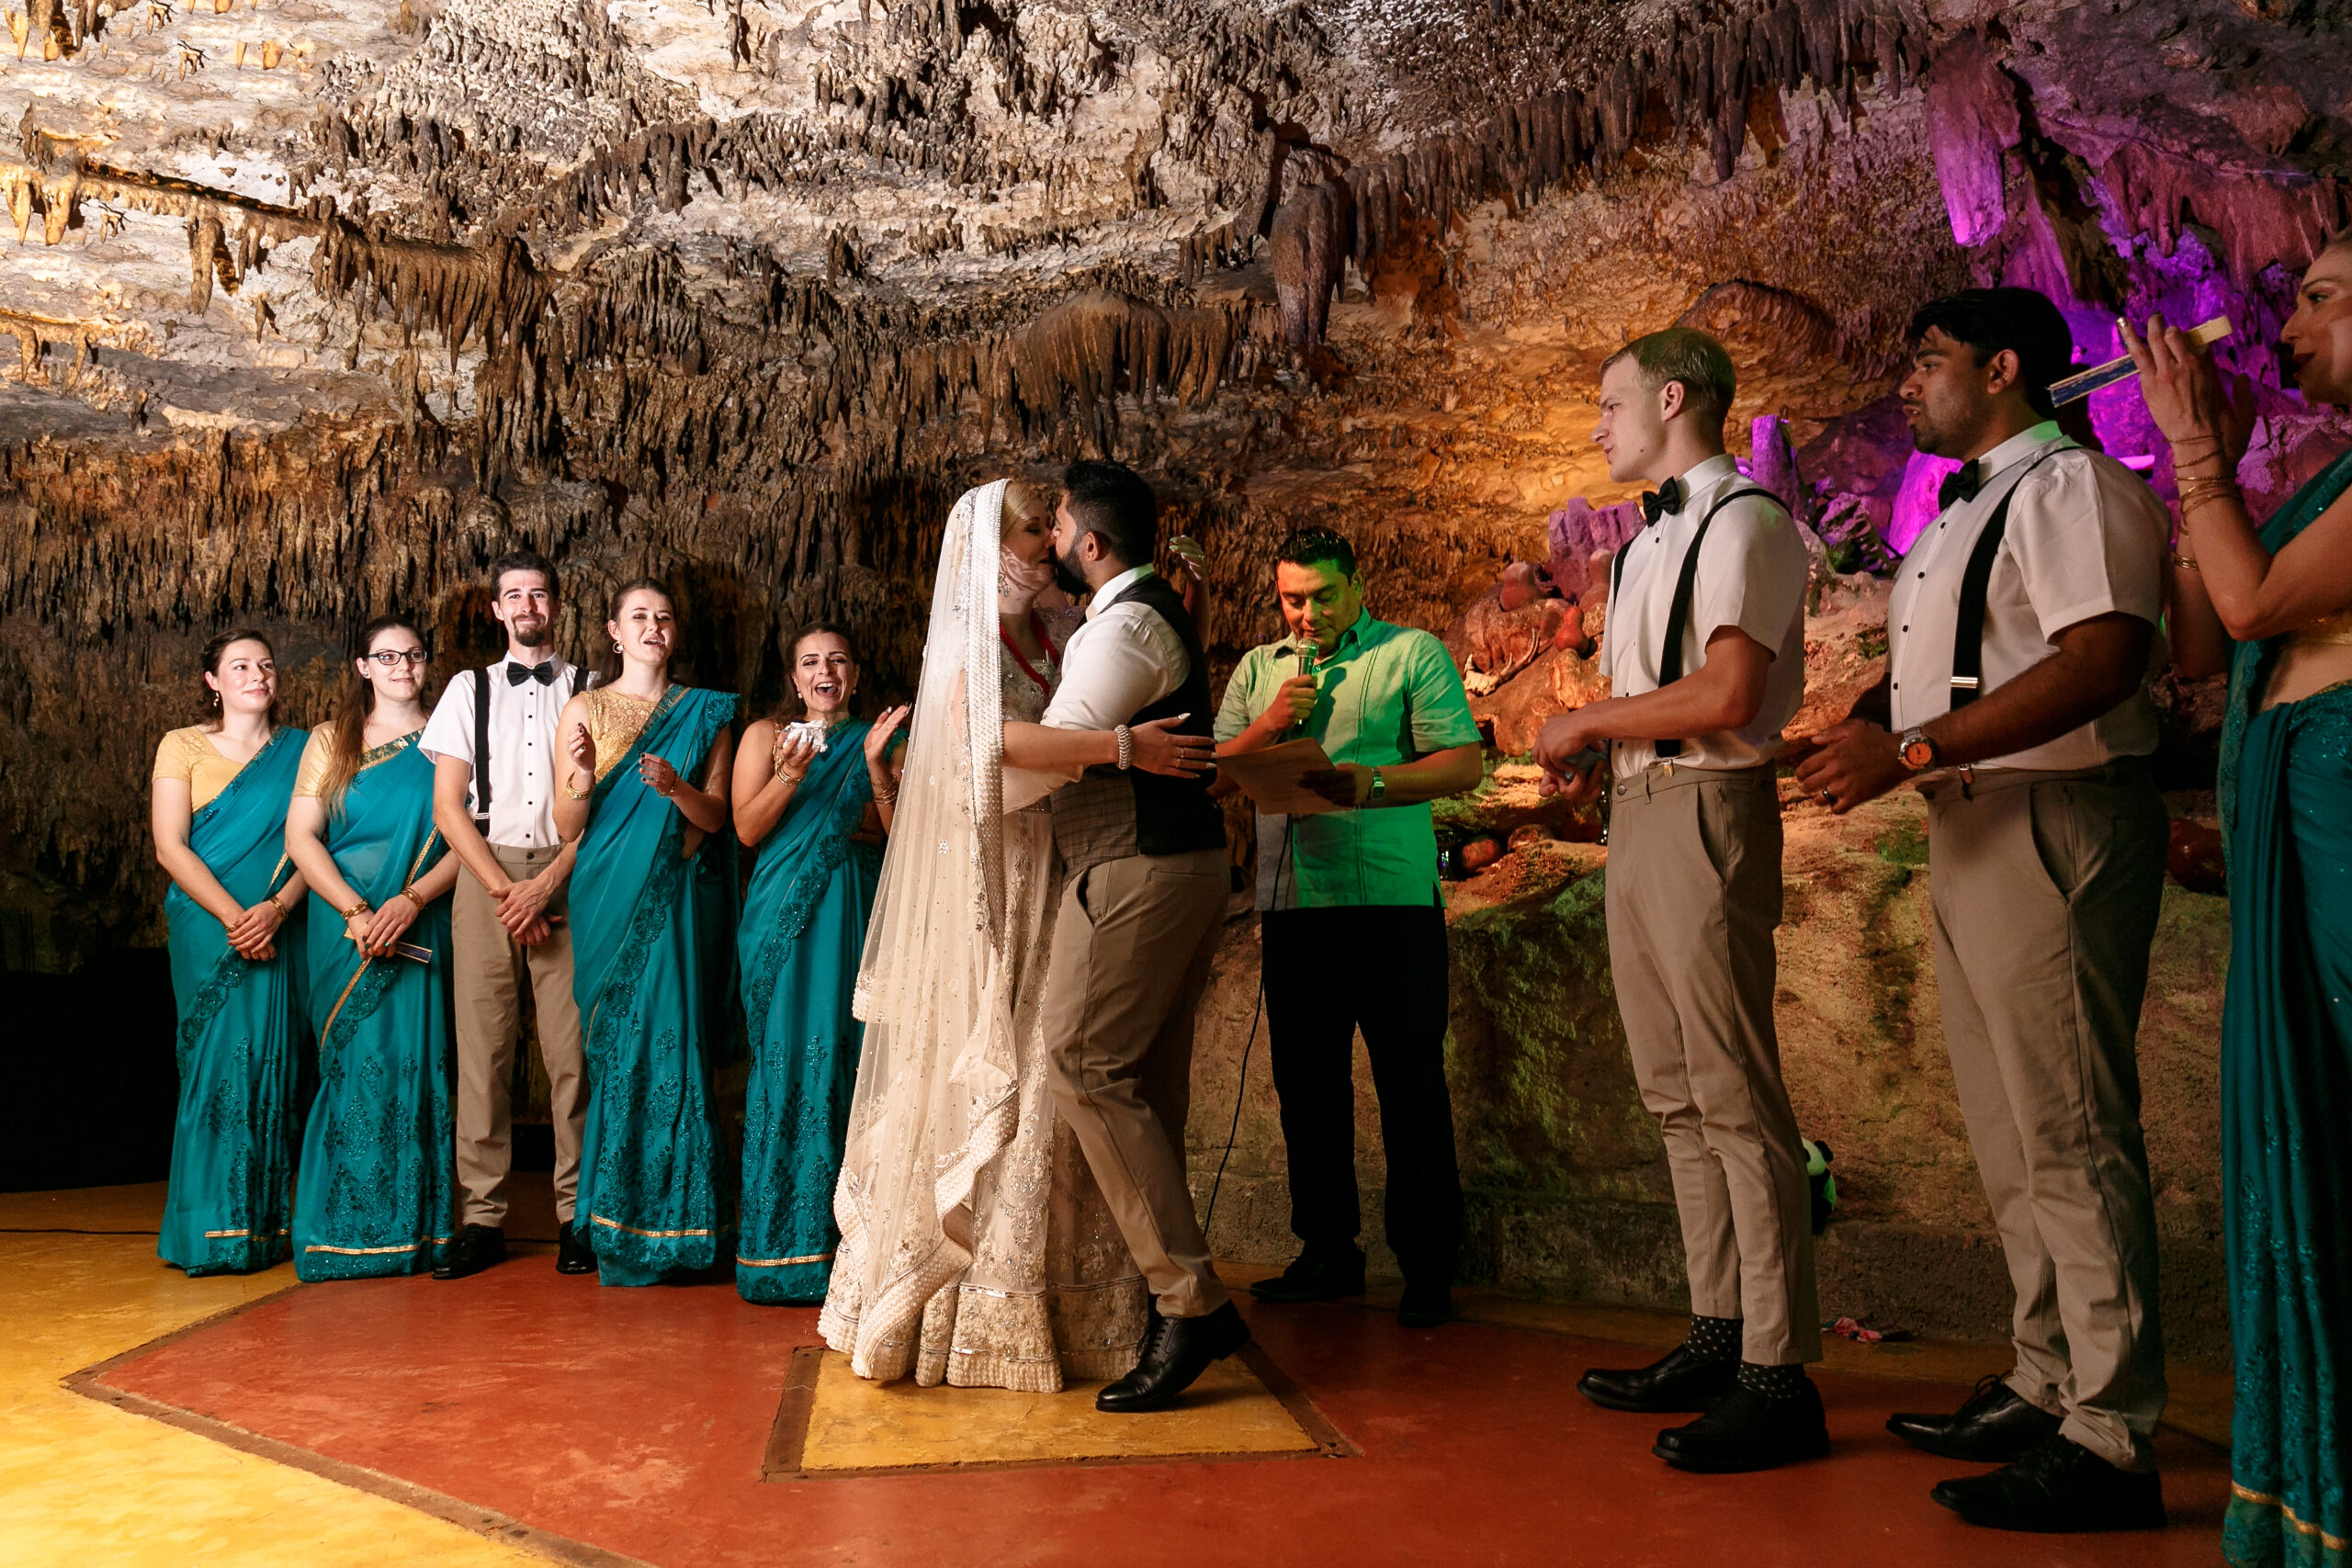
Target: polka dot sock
pixel 1714 1338
pixel 1772 1383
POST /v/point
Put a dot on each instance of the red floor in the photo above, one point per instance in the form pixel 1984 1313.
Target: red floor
pixel 635 1421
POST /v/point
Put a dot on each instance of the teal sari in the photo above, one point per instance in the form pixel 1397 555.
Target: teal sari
pixel 2286 1098
pixel 226 1212
pixel 649 1199
pixel 376 1194
pixel 803 934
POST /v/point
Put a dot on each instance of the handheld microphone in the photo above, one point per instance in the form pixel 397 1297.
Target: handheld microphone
pixel 1305 657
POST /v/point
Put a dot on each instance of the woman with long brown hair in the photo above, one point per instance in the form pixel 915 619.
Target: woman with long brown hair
pixel 375 1195
pixel 814 791
pixel 218 817
pixel 635 745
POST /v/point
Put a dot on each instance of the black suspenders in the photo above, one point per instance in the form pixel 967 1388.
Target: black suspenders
pixel 1968 626
pixel 482 742
pixel 1677 617
pixel 482 750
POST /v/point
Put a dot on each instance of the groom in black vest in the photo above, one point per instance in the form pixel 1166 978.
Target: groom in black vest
pixel 1143 896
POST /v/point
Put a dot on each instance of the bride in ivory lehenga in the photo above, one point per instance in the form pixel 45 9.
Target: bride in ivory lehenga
pixel 975 1248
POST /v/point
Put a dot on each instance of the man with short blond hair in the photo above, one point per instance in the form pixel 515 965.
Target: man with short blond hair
pixel 1704 652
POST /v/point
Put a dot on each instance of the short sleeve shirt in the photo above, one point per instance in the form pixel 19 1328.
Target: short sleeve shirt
pixel 318 756
pixel 522 744
pixel 2086 537
pixel 1387 694
pixel 1752 574
pixel 189 754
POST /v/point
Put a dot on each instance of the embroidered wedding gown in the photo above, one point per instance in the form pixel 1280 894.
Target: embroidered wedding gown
pixel 975 1248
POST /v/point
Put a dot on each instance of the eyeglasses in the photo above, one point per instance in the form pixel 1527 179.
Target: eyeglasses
pixel 389 658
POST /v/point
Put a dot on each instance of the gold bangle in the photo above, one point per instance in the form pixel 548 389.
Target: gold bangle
pixel 276 906
pixel 356 910
pixel 413 896
pixel 573 793
pixel 2186 564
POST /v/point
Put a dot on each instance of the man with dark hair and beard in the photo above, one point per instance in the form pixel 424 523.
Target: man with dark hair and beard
pixel 495 767
pixel 2018 644
pixel 1144 894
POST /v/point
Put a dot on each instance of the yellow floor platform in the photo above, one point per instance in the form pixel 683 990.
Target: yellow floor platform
pixel 83 1484
pixel 855 1425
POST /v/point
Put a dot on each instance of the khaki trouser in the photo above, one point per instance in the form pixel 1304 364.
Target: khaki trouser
pixel 2044 890
pixel 1693 894
pixel 1131 955
pixel 487 970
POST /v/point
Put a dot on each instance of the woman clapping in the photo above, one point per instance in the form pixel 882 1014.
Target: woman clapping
pixel 814 797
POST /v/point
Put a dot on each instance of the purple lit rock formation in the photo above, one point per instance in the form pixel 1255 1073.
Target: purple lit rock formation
pixel 318 304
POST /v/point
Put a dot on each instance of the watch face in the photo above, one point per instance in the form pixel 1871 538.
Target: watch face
pixel 1918 753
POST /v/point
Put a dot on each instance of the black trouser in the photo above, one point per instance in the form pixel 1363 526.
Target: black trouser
pixel 1381 968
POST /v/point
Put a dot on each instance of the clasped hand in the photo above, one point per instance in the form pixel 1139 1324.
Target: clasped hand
pixel 375 932
pixel 1563 737
pixel 255 934
pixel 1847 764
pixel 522 910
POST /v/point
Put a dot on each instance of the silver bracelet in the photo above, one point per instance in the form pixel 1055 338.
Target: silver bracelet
pixel 1126 747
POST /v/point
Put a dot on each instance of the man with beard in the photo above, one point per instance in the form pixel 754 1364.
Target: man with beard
pixel 2019 642
pixel 1144 892
pixel 496 764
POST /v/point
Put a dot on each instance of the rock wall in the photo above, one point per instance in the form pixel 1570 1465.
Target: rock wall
pixel 321 304
pixel 1566 1175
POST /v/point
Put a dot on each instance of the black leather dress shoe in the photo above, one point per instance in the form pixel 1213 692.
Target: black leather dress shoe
pixel 2058 1487
pixel 1314 1277
pixel 1680 1382
pixel 1180 1350
pixel 1425 1306
pixel 1994 1427
pixel 476 1248
pixel 572 1253
pixel 1745 1431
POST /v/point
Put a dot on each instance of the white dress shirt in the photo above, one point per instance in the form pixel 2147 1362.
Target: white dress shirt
pixel 523 748
pixel 2085 537
pixel 1123 658
pixel 1752 574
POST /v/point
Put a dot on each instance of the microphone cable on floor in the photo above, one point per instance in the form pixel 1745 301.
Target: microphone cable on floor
pixel 1241 1079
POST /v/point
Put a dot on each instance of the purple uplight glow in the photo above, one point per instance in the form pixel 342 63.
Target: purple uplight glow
pixel 1915 503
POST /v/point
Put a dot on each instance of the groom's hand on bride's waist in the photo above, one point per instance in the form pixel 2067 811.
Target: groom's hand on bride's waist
pixel 1159 749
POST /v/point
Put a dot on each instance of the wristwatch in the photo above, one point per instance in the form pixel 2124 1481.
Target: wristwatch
pixel 1379 788
pixel 1917 749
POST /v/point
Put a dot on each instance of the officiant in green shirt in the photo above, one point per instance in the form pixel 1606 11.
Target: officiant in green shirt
pixel 1353 926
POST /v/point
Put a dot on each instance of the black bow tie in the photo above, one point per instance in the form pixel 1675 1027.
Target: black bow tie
pixel 1668 496
pixel 1962 485
pixel 518 673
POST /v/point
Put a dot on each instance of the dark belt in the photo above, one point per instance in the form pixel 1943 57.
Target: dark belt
pixel 1967 784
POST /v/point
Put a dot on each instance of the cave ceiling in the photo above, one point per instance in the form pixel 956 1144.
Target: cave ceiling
pixel 318 304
